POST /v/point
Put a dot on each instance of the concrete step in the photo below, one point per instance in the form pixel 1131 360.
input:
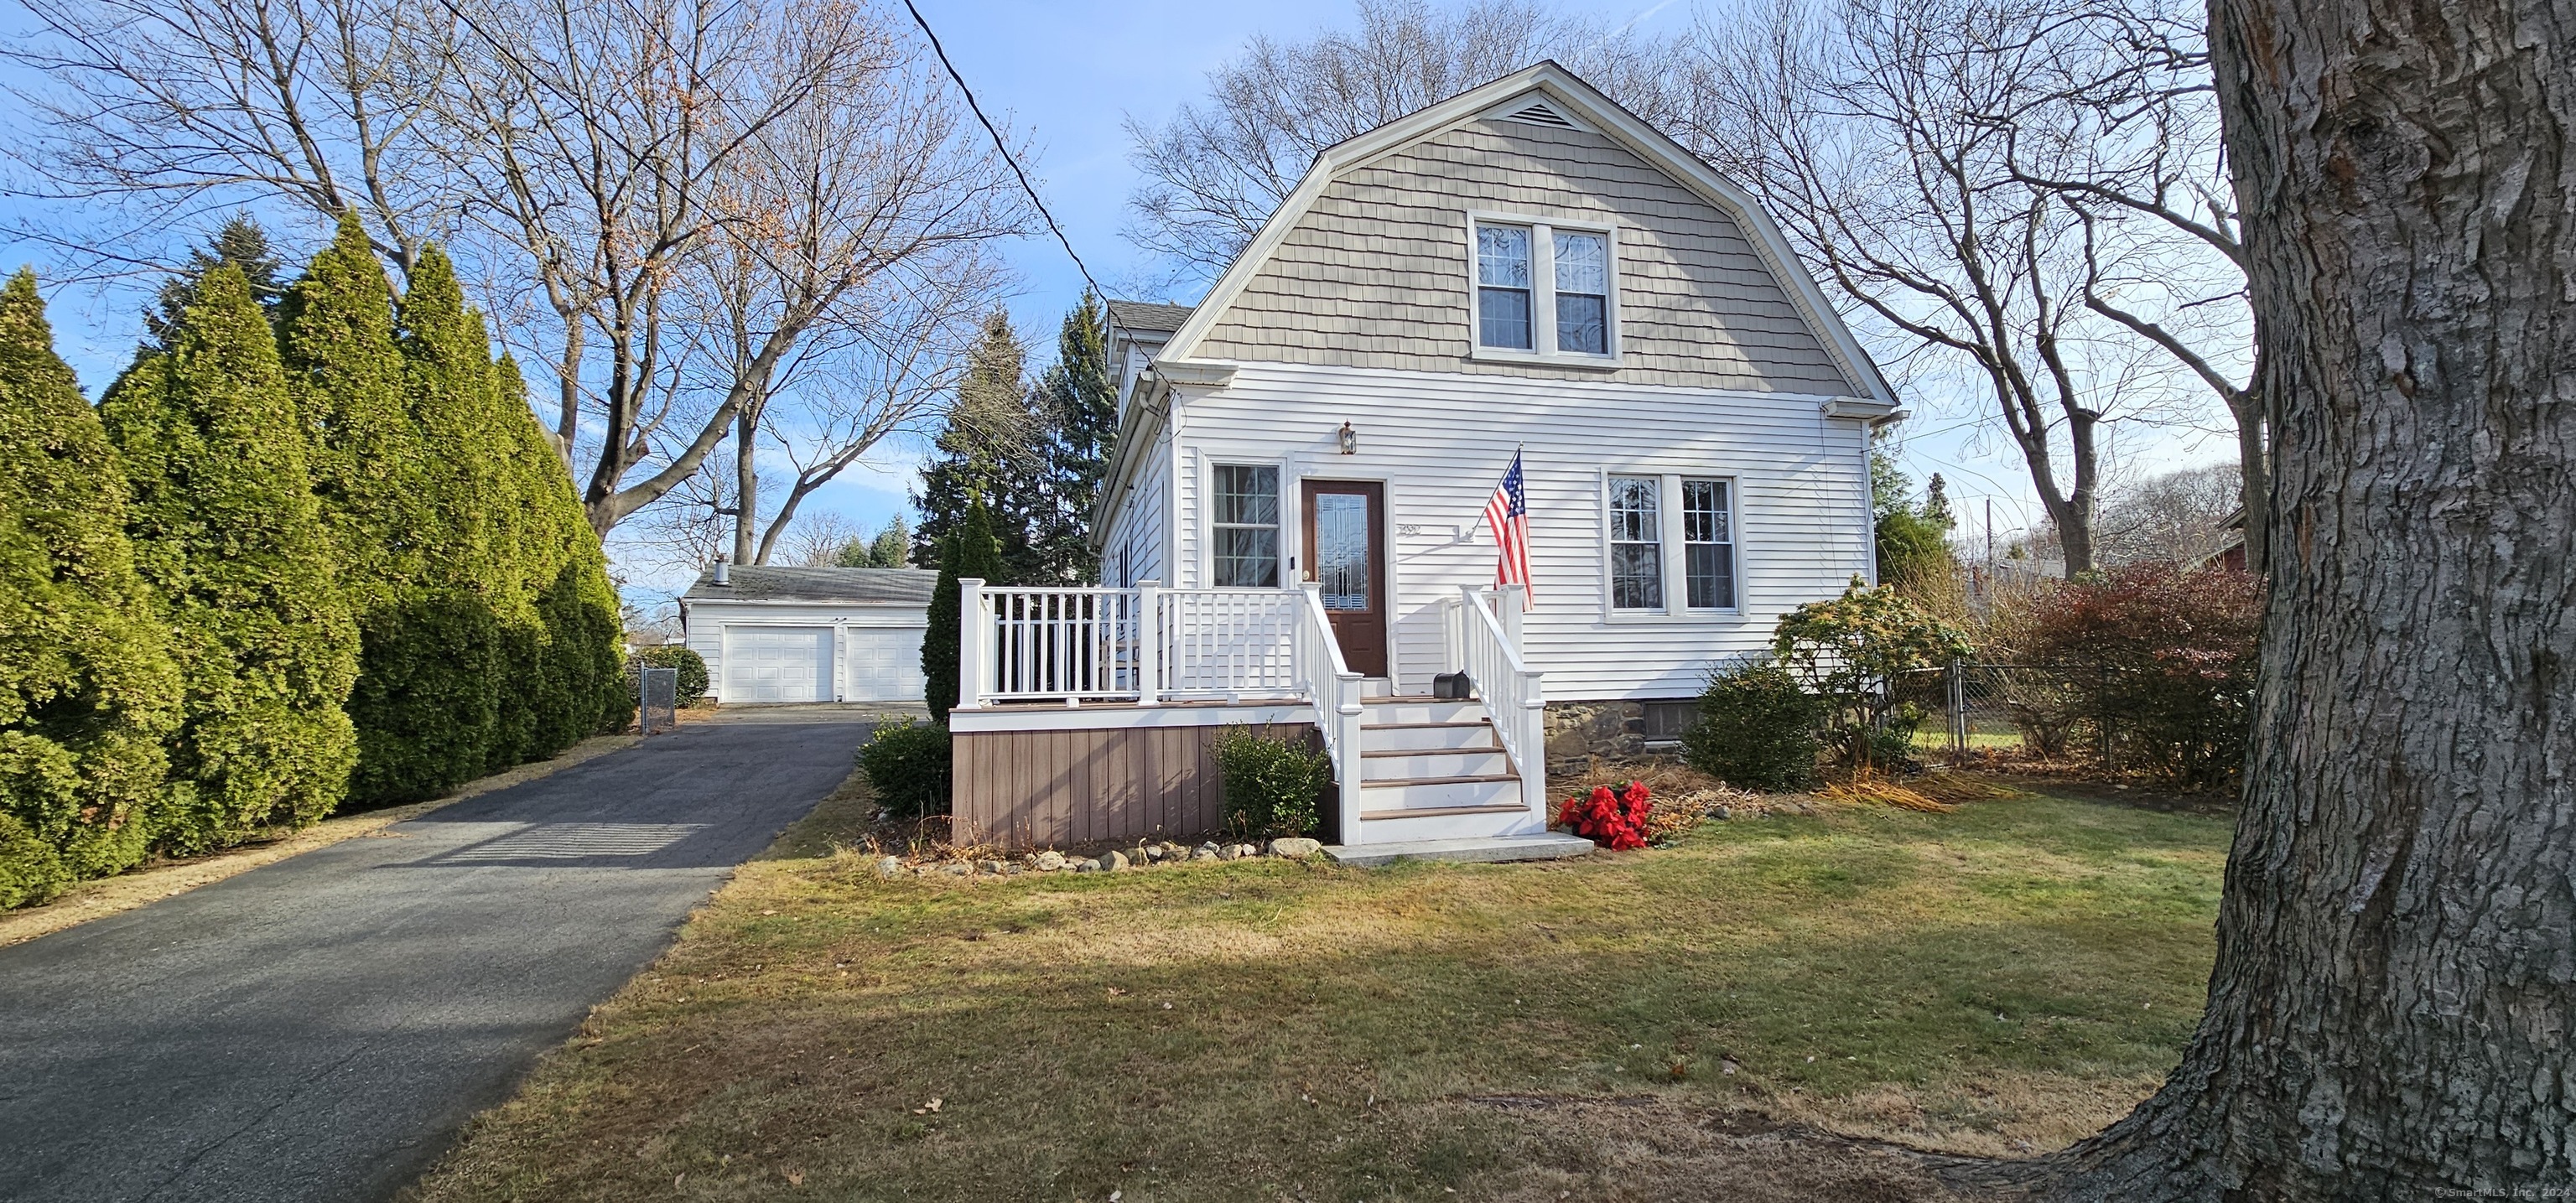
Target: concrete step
pixel 1419 710
pixel 1376 689
pixel 1447 823
pixel 1479 790
pixel 1416 764
pixel 1546 845
pixel 1395 736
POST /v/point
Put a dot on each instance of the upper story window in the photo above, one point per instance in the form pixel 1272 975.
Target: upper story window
pixel 1582 292
pixel 1545 290
pixel 1245 525
pixel 1503 286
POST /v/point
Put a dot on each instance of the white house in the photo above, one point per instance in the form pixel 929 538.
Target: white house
pixel 809 634
pixel 1525 268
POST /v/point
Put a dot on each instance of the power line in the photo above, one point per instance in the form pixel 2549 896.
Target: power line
pixel 1007 156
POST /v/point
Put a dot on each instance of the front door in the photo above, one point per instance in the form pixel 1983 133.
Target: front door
pixel 1346 554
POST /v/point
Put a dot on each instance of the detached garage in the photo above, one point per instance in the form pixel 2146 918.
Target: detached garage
pixel 773 635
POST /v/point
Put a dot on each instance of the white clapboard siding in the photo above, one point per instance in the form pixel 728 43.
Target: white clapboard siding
pixel 1133 549
pixel 1441 442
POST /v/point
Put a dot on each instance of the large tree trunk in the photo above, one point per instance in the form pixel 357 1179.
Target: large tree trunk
pixel 2390 1016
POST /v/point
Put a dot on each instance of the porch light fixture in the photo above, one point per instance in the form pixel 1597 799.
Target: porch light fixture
pixel 1350 440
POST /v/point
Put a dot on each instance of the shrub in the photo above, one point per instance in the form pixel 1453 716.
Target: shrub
pixel 907 764
pixel 693 669
pixel 1849 650
pixel 1756 728
pixel 2156 666
pixel 1271 781
pixel 1615 821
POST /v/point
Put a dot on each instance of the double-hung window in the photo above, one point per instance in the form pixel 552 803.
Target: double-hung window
pixel 1708 544
pixel 1670 545
pixel 1245 525
pixel 1636 543
pixel 1545 291
pixel 1582 292
pixel 1503 287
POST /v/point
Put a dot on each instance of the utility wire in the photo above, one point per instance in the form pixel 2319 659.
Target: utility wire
pixel 1007 156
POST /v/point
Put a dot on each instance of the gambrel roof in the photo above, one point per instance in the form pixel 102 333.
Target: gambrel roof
pixel 1271 296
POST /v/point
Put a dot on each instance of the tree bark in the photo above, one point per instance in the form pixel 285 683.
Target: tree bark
pixel 2390 1013
pixel 746 482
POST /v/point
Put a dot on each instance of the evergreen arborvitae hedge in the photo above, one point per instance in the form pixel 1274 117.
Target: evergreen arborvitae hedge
pixel 578 673
pixel 971 552
pixel 87 689
pixel 226 527
pixel 422 724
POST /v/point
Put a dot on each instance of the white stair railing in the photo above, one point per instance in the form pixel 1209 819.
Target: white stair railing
pixel 1486 630
pixel 1324 679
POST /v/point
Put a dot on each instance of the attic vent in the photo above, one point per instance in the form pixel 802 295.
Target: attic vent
pixel 1541 113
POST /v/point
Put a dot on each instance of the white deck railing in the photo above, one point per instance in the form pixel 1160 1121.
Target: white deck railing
pixel 1484 631
pixel 1146 644
pixel 1150 644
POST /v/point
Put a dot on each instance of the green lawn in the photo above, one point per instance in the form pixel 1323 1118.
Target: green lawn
pixel 1998 981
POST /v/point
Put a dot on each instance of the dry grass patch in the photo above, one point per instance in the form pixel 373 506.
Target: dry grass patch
pixel 1779 1007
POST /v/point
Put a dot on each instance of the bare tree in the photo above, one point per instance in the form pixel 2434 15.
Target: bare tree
pixel 2174 518
pixel 1882 135
pixel 893 374
pixel 580 154
pixel 1215 172
pixel 2127 133
pixel 819 539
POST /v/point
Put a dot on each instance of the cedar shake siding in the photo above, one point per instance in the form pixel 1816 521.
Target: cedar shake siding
pixel 1376 275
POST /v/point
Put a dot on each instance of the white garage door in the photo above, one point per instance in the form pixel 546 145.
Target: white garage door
pixel 778 664
pixel 885 664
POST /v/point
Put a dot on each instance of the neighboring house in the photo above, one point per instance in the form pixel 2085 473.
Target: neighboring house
pixel 809 634
pixel 1525 267
pixel 2230 553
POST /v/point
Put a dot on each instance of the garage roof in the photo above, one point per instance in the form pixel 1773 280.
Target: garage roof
pixel 871 586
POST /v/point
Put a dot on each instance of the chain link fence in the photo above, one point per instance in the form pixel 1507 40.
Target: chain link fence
pixel 657 699
pixel 1968 712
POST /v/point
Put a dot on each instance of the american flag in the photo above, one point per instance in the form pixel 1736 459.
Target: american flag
pixel 1508 515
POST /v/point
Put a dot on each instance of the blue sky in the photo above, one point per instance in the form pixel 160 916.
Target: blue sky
pixel 1068 75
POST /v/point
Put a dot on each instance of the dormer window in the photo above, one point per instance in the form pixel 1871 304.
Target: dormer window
pixel 1545 290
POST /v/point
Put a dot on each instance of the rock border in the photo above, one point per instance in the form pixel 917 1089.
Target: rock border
pixel 1146 855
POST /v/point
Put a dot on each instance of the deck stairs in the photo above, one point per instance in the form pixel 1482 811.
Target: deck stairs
pixel 1435 770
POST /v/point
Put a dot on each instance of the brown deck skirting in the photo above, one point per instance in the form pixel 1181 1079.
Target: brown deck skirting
pixel 1020 789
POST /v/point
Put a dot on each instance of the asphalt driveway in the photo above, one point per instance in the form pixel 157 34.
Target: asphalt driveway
pixel 319 1028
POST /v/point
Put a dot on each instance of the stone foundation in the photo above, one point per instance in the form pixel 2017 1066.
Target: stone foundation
pixel 1577 732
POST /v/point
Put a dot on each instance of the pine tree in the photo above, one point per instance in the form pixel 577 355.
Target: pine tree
pixel 993 448
pixel 1078 396
pixel 87 689
pixel 970 553
pixel 890 548
pixel 239 242
pixel 225 526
